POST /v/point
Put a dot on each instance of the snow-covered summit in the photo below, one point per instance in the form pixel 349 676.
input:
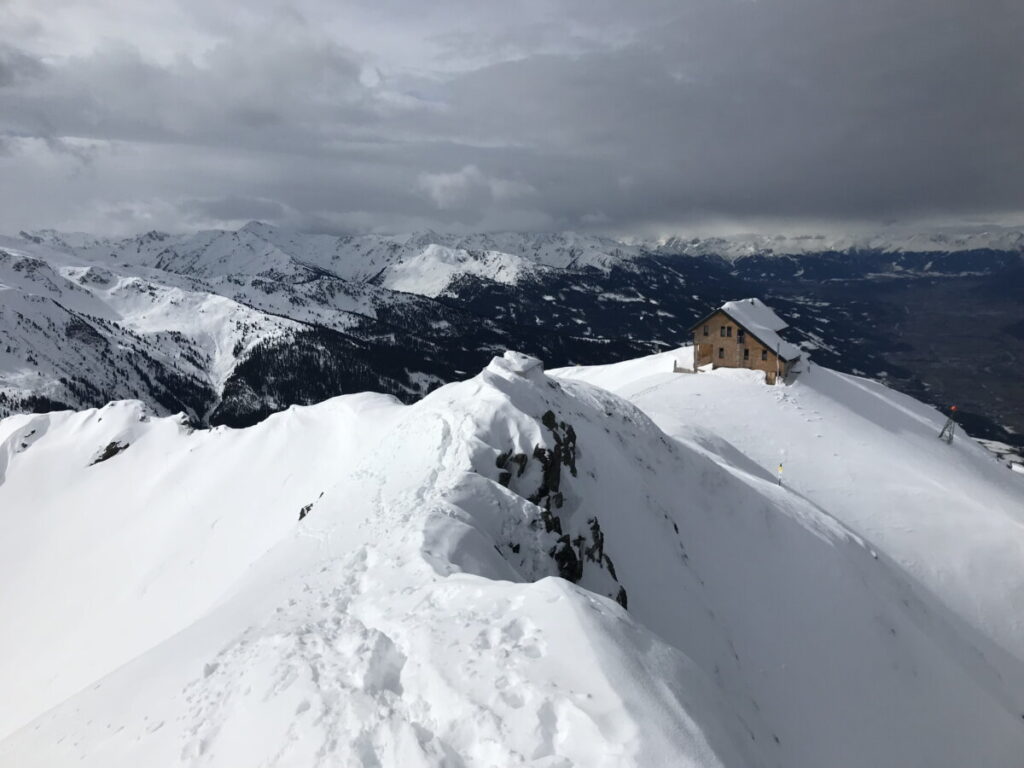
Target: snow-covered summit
pixel 519 569
pixel 517 363
pixel 432 270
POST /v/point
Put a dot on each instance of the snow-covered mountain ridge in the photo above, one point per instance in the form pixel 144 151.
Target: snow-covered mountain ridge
pixel 259 248
pixel 357 256
pixel 363 582
pixel 230 326
pixel 169 319
pixel 1010 240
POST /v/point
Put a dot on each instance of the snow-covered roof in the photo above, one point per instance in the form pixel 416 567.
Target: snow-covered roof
pixel 753 312
pixel 760 321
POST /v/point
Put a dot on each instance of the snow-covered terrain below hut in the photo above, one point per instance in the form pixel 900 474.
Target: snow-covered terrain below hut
pixel 951 515
pixel 367 583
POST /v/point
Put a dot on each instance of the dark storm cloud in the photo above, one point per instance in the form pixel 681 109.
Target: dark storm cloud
pixel 233 209
pixel 397 115
pixel 841 114
pixel 17 67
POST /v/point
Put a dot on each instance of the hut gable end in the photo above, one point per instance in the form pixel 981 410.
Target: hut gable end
pixel 744 334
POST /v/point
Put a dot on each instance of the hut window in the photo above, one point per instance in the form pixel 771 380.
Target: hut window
pixel 721 352
pixel 728 330
pixel 707 330
pixel 721 331
pixel 746 354
pixel 740 335
pixel 764 354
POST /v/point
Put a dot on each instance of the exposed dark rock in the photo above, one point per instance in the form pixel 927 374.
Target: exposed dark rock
pixel 595 552
pixel 610 566
pixel 579 543
pixel 569 553
pixel 552 460
pixel 503 462
pixel 112 449
pixel 549 420
pixel 621 598
pixel 570 567
pixel 81 332
pixel 552 523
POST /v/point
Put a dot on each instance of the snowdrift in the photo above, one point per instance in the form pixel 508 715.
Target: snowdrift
pixel 443 584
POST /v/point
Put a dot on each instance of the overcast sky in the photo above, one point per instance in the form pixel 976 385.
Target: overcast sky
pixel 624 116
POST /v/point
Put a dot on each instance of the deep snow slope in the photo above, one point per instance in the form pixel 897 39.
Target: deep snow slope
pixel 951 515
pixel 366 583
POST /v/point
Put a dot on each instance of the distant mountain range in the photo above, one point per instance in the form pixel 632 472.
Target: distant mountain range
pixel 229 326
pixel 896 241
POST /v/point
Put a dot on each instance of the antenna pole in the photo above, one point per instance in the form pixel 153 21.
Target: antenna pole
pixel 949 427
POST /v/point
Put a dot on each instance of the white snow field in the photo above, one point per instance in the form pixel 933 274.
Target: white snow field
pixel 166 605
pixel 951 515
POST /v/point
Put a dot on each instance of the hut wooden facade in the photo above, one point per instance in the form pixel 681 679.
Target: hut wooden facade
pixel 744 334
